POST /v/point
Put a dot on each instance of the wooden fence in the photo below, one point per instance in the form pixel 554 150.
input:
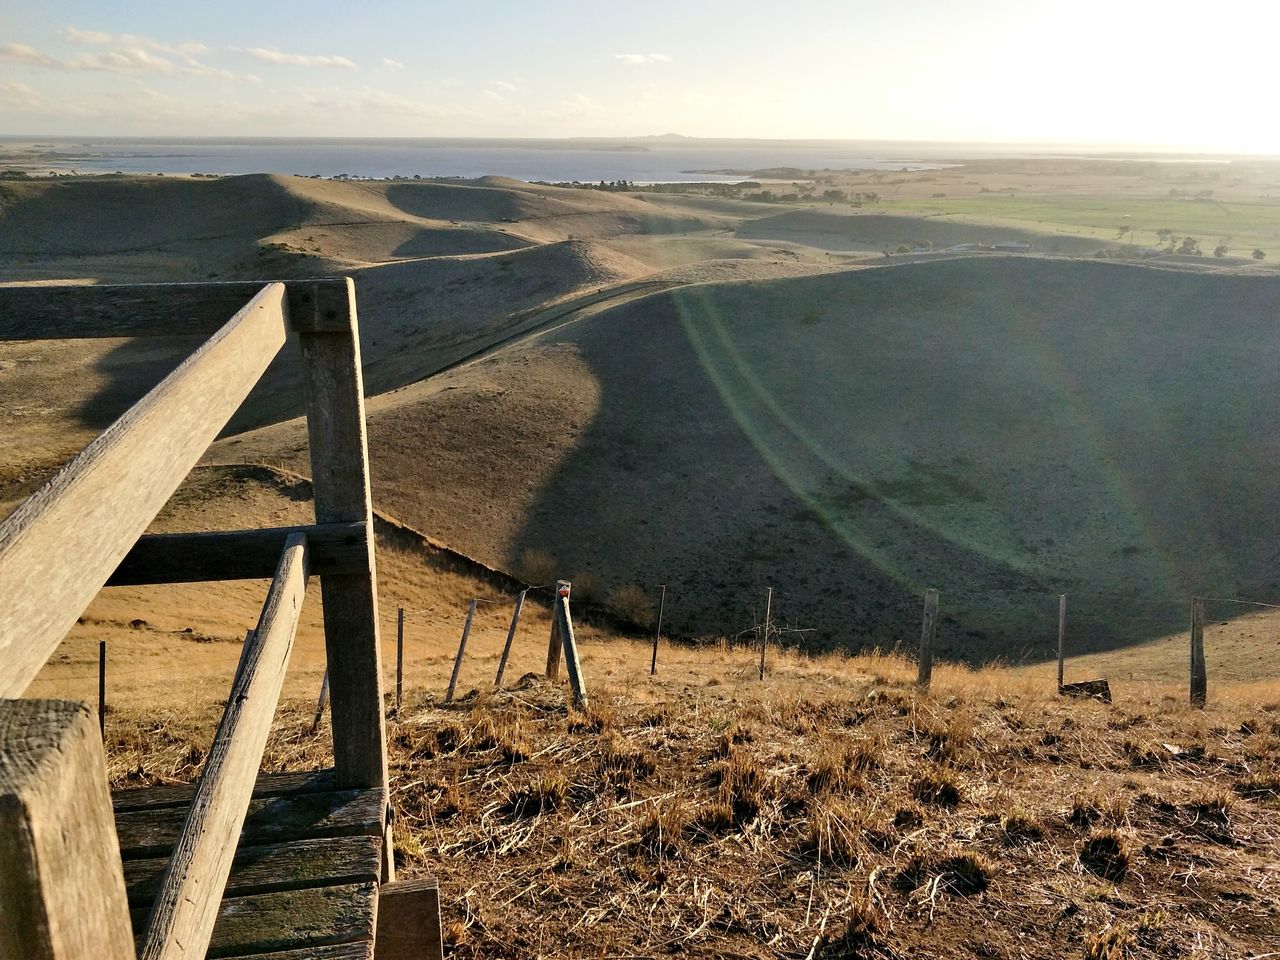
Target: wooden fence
pixel 62 894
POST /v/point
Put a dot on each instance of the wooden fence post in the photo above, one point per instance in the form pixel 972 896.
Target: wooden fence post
pixel 62 894
pixel 1062 635
pixel 928 632
pixel 511 635
pixel 563 589
pixel 662 605
pixel 574 666
pixel 102 688
pixel 1199 676
pixel 768 620
pixel 324 698
pixel 462 646
pixel 340 488
pixel 399 658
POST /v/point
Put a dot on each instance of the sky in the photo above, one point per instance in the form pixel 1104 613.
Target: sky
pixel 1172 74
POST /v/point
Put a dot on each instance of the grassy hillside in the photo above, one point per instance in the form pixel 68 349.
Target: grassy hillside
pixel 1003 430
pixel 877 232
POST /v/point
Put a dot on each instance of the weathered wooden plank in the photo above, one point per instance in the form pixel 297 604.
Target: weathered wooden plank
pixel 362 950
pixel 60 546
pixel 153 831
pixel 180 794
pixel 62 894
pixel 157 309
pixel 239 554
pixel 409 921
pixel 323 862
pixel 340 482
pixel 187 906
pixel 290 920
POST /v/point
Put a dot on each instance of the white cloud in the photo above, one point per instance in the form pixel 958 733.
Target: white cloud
pixel 392 64
pixel 96 38
pixel 24 54
pixel 638 58
pixel 508 87
pixel 271 55
pixel 126 60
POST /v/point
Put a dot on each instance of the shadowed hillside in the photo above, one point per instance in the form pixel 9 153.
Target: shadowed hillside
pixel 1001 429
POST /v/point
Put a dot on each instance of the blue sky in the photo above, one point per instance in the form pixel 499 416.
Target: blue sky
pixel 1123 71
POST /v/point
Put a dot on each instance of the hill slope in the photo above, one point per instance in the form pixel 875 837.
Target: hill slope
pixel 1002 429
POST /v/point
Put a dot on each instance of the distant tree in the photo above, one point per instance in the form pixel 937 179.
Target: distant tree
pixel 902 248
pixel 1259 255
pixel 1221 250
pixel 1190 246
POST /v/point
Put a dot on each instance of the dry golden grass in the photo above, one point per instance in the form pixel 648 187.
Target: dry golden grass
pixel 705 813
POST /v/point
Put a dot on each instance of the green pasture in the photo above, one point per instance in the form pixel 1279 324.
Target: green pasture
pixel 1246 225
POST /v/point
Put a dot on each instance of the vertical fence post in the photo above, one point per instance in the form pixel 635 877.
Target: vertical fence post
pixel 62 893
pixel 928 632
pixel 511 635
pixel 768 621
pixel 399 658
pixel 102 688
pixel 662 605
pixel 1199 675
pixel 1062 636
pixel 462 646
pixel 563 589
pixel 334 386
pixel 577 684
pixel 324 698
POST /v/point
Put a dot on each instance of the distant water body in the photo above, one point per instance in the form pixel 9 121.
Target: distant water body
pixel 657 162
pixel 644 160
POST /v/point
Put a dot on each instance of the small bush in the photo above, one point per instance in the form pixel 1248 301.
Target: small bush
pixel 632 604
pixel 586 589
pixel 537 567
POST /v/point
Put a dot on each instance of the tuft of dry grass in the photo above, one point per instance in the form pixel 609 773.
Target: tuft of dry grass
pixel 1107 854
pixel 1020 826
pixel 938 787
pixel 833 831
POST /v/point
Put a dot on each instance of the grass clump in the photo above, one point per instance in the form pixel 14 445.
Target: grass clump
pixel 832 832
pixel 1019 826
pixel 964 873
pixel 1106 854
pixel 937 787
pixel 545 793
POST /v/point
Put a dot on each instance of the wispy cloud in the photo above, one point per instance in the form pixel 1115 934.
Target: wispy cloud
pixel 508 87
pixel 24 54
pixel 96 38
pixel 640 58
pixel 125 60
pixel 392 64
pixel 271 55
